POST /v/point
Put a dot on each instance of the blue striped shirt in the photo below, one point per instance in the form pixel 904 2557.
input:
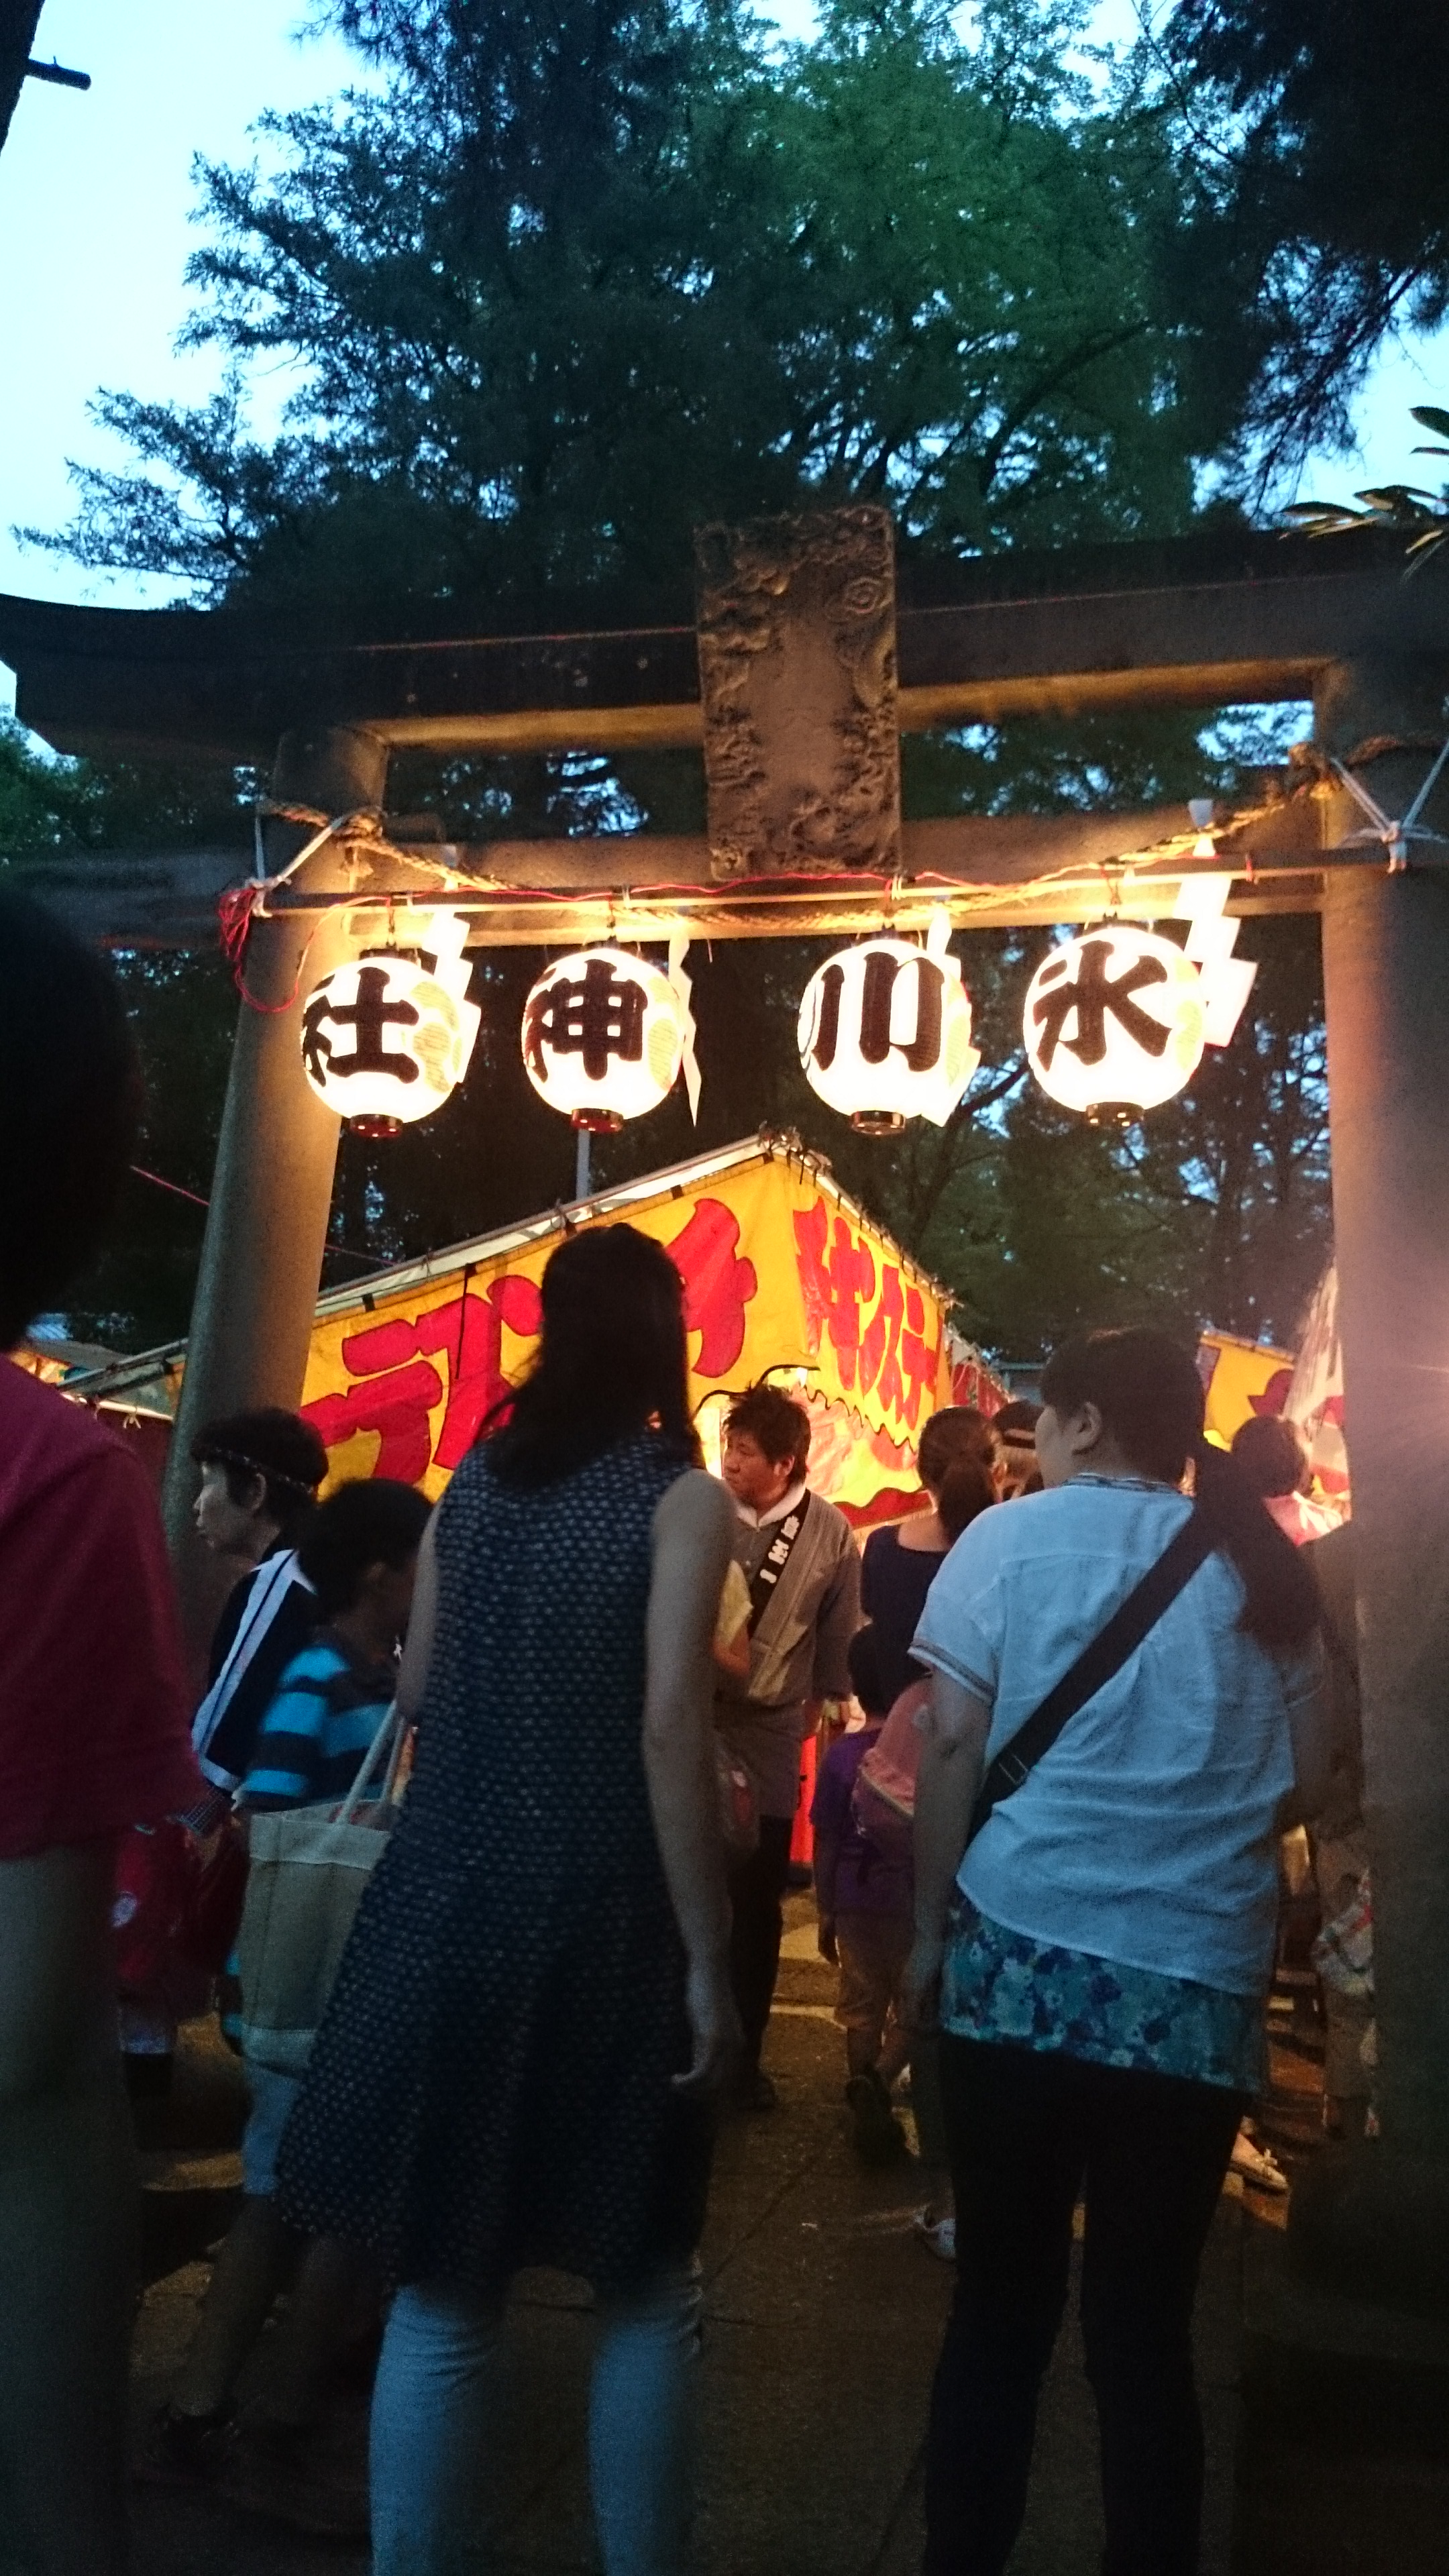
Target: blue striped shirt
pixel 327 1709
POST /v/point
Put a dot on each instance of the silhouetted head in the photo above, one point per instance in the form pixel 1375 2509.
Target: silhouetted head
pixel 612 1360
pixel 70 1102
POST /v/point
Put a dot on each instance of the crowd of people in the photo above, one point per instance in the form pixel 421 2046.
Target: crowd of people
pixel 1087 1697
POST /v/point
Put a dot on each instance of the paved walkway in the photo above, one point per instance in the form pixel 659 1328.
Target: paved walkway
pixel 824 2316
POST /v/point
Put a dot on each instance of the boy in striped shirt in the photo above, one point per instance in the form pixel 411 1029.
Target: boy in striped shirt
pixel 360 1557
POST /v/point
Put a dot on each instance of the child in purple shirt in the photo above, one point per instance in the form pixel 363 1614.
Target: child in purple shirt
pixel 866 1919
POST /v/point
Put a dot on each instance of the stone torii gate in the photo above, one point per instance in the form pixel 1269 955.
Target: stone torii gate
pixel 796 679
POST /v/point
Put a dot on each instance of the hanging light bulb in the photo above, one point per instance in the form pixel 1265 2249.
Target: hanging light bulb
pixel 388 1037
pixel 603 1037
pixel 1114 1021
pixel 885 1032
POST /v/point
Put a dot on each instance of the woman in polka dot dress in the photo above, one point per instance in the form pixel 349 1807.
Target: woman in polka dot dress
pixel 533 2015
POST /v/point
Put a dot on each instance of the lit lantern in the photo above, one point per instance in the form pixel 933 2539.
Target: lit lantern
pixel 603 1037
pixel 388 1037
pixel 1115 1021
pixel 885 1032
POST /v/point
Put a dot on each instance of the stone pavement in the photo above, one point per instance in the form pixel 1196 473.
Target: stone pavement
pixel 824 2316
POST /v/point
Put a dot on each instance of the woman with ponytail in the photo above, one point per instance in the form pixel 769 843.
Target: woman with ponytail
pixel 1098 1948
pixel 959 1459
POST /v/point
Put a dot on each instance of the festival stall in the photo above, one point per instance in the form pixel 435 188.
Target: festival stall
pixel 783 1276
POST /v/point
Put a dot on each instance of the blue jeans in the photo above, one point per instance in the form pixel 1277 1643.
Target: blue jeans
pixel 433 2408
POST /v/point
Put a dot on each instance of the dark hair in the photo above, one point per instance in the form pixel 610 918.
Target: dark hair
pixel 774 1421
pixel 1149 1394
pixel 612 1361
pixel 373 1522
pixel 1272 1453
pixel 863 1657
pixel 70 1102
pixel 287 1453
pixel 1017 1420
pixel 958 1450
pixel 966 1490
pixel 957 1432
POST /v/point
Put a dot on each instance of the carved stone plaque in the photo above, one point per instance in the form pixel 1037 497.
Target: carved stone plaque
pixel 797 667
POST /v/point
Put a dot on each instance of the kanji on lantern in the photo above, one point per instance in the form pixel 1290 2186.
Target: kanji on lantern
pixel 388 1037
pixel 603 1037
pixel 885 1033
pixel 1114 1021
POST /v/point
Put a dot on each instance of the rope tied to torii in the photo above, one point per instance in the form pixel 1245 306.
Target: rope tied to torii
pixel 241 905
pixel 1392 836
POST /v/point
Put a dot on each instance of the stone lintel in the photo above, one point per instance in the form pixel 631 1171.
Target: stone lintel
pixel 1209 620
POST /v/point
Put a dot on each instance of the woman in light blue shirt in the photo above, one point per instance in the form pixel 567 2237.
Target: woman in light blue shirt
pixel 1099 1954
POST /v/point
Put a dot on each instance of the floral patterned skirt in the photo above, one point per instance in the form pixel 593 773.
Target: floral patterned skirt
pixel 1009 1987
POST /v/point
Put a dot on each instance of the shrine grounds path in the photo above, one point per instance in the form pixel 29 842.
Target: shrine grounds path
pixel 823 2320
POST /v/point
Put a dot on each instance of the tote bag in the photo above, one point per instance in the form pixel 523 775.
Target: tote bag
pixel 309 1866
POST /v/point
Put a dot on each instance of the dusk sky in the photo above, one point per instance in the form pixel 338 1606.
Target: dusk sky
pixel 95 195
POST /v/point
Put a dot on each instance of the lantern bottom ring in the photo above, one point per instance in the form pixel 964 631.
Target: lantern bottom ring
pixel 1113 1113
pixel 598 1122
pixel 878 1122
pixel 375 1123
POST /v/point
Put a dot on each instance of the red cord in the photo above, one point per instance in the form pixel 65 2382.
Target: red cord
pixel 234 914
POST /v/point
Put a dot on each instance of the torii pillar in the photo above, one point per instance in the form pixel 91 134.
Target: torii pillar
pixel 276 1158
pixel 1375 2219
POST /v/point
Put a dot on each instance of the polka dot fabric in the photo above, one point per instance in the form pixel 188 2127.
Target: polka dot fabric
pixel 491 2084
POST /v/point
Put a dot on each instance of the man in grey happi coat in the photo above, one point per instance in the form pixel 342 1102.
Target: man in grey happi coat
pixel 803 1569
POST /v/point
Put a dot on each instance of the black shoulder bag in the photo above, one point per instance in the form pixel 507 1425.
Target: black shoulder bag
pixel 1130 1622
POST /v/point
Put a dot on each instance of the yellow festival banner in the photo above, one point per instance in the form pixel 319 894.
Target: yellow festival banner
pixel 1241 1379
pixel 782 1274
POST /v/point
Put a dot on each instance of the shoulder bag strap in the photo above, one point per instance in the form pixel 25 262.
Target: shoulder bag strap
pixel 1095 1666
pixel 391 1725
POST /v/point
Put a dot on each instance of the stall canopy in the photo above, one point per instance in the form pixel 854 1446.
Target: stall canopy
pixel 784 1276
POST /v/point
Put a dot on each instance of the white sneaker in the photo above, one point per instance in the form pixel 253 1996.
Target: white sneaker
pixel 1256 2165
pixel 938 2235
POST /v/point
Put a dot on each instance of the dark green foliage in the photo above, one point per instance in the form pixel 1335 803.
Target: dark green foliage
pixel 1320 127
pixel 567 277
pixel 572 278
pixel 57 807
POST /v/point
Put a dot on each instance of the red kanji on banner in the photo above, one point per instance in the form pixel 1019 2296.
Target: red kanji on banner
pixel 920 1359
pixel 880 1365
pixel 398 1389
pixel 718 1285
pixel 834 1284
pixel 396 1403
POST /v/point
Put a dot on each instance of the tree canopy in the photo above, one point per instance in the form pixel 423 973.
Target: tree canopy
pixel 557 280
pixel 569 276
pixel 1319 128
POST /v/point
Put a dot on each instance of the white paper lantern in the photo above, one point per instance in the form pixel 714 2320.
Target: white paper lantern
pixel 885 1033
pixel 603 1037
pixel 388 1037
pixel 1114 1021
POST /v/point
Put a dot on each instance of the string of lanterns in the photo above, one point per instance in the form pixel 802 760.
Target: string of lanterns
pixel 1115 1022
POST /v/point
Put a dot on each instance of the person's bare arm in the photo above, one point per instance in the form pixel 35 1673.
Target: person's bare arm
pixel 693 1534
pixel 417 1652
pixel 953 1758
pixel 54 1963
